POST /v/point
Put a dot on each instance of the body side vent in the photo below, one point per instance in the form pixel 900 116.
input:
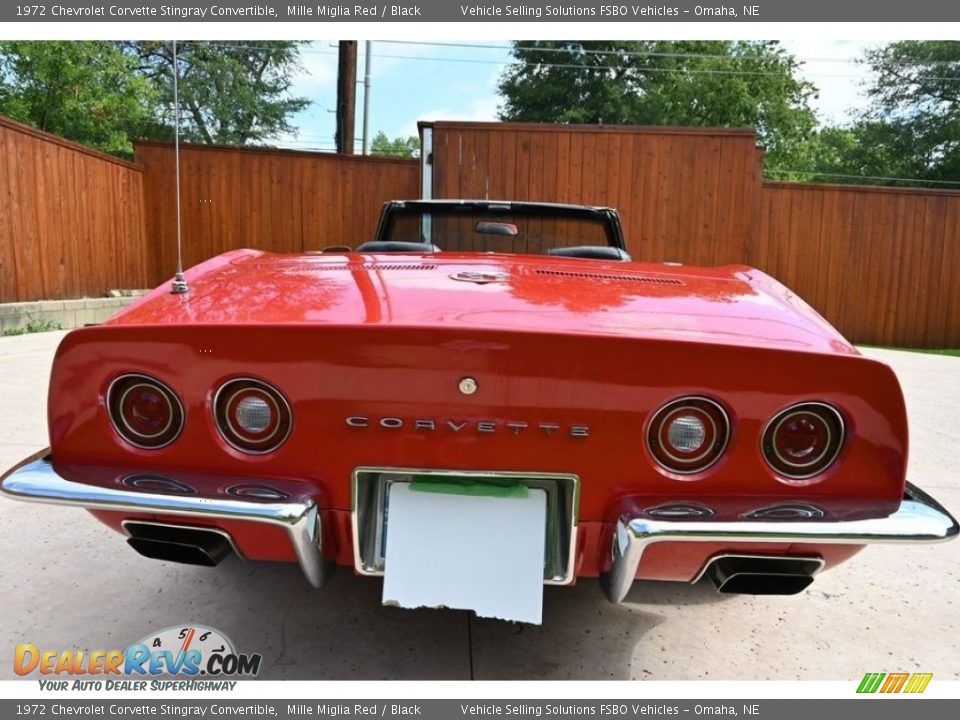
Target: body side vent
pixel 353 266
pixel 603 276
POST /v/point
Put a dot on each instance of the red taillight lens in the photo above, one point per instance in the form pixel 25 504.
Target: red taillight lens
pixel 144 411
pixel 688 435
pixel 252 416
pixel 803 440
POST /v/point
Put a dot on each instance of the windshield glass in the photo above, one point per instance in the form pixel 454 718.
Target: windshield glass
pixel 484 230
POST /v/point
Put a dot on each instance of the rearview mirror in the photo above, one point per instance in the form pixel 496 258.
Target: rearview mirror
pixel 497 228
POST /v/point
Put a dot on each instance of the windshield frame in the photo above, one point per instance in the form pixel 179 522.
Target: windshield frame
pixel 393 210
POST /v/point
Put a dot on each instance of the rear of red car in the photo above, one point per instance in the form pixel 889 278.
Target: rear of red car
pixel 680 423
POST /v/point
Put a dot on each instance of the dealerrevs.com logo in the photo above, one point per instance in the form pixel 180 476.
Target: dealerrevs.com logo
pixel 187 651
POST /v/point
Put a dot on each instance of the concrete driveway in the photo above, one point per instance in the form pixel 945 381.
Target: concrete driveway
pixel 70 583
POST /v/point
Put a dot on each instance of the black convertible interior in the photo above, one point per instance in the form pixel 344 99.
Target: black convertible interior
pixel 591 252
pixel 485 226
pixel 398 246
pixel 588 252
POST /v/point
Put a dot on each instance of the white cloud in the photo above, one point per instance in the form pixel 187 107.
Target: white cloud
pixel 832 66
pixel 319 69
pixel 480 109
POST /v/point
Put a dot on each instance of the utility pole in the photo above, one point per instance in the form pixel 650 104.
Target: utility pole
pixel 346 96
pixel 366 97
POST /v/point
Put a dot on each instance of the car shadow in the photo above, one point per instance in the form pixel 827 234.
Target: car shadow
pixel 655 592
pixel 115 597
pixel 342 631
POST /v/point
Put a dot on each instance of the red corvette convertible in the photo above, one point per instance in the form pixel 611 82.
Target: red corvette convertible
pixel 662 422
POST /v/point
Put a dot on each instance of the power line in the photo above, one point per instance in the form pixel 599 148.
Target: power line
pixel 651 53
pixel 575 66
pixel 639 70
pixel 580 66
pixel 590 51
pixel 862 177
pixel 600 52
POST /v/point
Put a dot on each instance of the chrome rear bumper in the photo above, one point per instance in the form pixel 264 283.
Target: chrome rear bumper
pixel 35 480
pixel 920 519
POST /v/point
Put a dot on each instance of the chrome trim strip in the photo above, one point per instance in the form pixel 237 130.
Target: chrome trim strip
pixel 273 494
pixel 800 510
pixel 920 519
pixel 572 518
pixel 181 488
pixel 757 556
pixel 35 480
pixel 679 510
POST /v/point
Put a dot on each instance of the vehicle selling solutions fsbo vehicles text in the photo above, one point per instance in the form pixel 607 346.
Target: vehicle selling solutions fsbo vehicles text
pixel 600 11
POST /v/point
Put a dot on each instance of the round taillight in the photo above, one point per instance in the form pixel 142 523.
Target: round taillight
pixel 252 417
pixel 688 435
pixel 144 412
pixel 803 440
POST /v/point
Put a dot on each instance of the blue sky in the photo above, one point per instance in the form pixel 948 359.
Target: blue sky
pixel 431 81
pixel 408 83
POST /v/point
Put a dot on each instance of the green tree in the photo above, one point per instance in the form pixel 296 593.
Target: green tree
pixel 868 152
pixel 407 147
pixel 915 94
pixel 910 132
pixel 86 91
pixel 698 83
pixel 231 93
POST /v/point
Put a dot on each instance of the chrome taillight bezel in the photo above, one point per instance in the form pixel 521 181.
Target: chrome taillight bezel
pixel 117 392
pixel 234 436
pixel 836 427
pixel 669 461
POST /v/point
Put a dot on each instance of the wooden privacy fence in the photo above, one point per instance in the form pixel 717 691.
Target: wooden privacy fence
pixel 277 200
pixel 71 218
pixel 684 194
pixel 881 264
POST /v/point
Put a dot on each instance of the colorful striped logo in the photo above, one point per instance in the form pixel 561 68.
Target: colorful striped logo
pixel 894 682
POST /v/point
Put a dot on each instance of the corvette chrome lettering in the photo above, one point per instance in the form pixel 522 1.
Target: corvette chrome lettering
pixel 514 427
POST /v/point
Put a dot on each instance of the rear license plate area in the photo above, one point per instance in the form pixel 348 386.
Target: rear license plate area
pixel 371 512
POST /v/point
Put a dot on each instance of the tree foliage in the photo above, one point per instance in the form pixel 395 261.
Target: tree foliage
pixel 408 147
pixel 105 93
pixel 693 83
pixel 87 91
pixel 231 93
pixel 911 128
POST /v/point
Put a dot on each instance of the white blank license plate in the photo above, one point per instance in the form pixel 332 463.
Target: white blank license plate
pixel 466 552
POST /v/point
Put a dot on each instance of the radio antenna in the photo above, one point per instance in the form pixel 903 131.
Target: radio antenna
pixel 179 285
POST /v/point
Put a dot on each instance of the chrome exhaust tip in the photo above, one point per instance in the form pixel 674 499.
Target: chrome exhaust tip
pixel 185 545
pixel 762 575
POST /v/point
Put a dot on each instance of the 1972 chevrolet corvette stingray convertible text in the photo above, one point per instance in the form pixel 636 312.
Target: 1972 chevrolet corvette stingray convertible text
pixel 485 398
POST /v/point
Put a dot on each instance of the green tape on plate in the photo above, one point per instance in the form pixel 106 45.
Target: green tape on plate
pixel 469 486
